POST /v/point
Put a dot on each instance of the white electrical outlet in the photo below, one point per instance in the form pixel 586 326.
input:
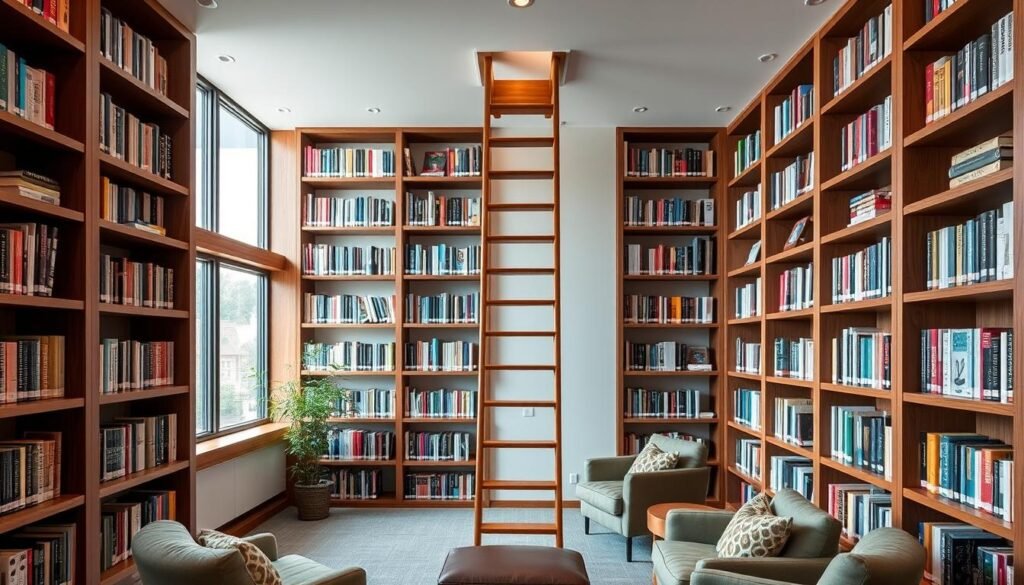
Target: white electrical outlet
pixel 528 412
pixel 574 478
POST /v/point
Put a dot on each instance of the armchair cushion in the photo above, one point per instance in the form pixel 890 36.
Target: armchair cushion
pixel 813 534
pixel 603 495
pixel 691 453
pixel 607 468
pixel 885 556
pixel 296 570
pixel 257 564
pixel 754 531
pixel 792 571
pixel 652 458
pixel 674 561
pixel 715 577
pixel 700 526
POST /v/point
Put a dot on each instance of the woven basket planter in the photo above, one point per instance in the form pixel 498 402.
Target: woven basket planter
pixel 313 501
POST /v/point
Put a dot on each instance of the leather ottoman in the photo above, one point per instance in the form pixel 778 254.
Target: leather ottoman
pixel 513 565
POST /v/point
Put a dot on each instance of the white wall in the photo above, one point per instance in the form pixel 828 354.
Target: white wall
pixel 230 489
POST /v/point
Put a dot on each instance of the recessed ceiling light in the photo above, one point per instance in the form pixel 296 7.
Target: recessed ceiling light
pixel 225 58
pixel 562 123
pixel 768 57
pixel 813 2
pixel 520 3
pixel 207 3
pixel 640 109
pixel 373 110
pixel 284 110
pixel 721 109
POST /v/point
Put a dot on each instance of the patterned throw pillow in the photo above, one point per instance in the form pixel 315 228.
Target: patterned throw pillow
pixel 653 459
pixel 259 567
pixel 754 531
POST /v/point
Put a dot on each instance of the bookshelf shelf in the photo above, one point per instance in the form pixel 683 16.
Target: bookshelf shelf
pixel 966 404
pixel 439 421
pixel 50 210
pixel 981 292
pixel 750 230
pixel 680 230
pixel 416 230
pixel 961 512
pixel 346 374
pixel 134 480
pixel 27 25
pixel 671 277
pixel 858 474
pixel 441 325
pixel 39 512
pixel 803 314
pixel 744 477
pixel 669 420
pixel 865 306
pixel 746 376
pixel 351 277
pixel 801 253
pixel 35 133
pixel 671 374
pixel 750 177
pixel 37 302
pixel 956 25
pixel 370 183
pixel 789 381
pixel 443 182
pixel 861 95
pixel 350 231
pixel 359 420
pixel 31 407
pixel 857 391
pixel 129 236
pixel 428 463
pixel 443 277
pixel 977 121
pixel 116 168
pixel 873 172
pixel 628 325
pixel 744 429
pixel 155 392
pixel 424 373
pixel 799 141
pixel 865 232
pixel 752 269
pixel 136 95
pixel 122 571
pixel 794 449
pixel 668 182
pixel 348 326
pixel 800 206
pixel 359 462
pixel 970 198
pixel 746 320
pixel 525 175
pixel 131 311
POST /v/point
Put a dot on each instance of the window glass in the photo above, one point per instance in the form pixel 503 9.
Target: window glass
pixel 242 346
pixel 202 138
pixel 239 179
pixel 203 348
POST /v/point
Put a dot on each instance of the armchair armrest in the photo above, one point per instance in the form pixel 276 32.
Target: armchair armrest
pixel 607 468
pixel 346 576
pixel 791 570
pixel 714 577
pixel 703 526
pixel 265 542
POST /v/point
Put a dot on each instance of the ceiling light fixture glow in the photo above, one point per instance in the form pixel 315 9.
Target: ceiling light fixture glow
pixel 813 2
pixel 723 109
pixel 284 110
pixel 373 110
pixel 226 59
pixel 207 3
pixel 640 109
pixel 768 57
pixel 520 3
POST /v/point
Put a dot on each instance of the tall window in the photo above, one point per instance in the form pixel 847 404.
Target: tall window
pixel 231 300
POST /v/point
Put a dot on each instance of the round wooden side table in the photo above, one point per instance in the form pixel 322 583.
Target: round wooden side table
pixel 657 514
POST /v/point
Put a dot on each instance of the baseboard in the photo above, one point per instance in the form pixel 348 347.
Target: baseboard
pixel 533 504
pixel 245 523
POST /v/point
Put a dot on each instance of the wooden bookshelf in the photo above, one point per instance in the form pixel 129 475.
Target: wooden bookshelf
pixel 708 383
pixel 70 153
pixel 915 168
pixel 400 284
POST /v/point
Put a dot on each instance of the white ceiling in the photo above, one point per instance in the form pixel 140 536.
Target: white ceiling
pixel 329 60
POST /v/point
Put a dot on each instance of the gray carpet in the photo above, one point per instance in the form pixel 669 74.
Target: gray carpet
pixel 408 546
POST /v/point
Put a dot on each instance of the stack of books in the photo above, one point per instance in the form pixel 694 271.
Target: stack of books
pixel 867 135
pixel 356 484
pixel 675 211
pixel 447 485
pixel 348 356
pixel 438 446
pixel 972 469
pixel 978 250
pixel 441 356
pixel 859 507
pixel 796 109
pixel 862 356
pixel 955 553
pixel 132 444
pixel 441 403
pixel 747 407
pixel 31 367
pixel 31 185
pixel 362 211
pixel 794 358
pixel 25 91
pixel 360 445
pixel 861 437
pixel 794 421
pixel 669 162
pixel 792 472
pixel 981 160
pixel 870 205
pixel 976 364
pixel 861 53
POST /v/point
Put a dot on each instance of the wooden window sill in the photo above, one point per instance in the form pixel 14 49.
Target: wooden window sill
pixel 214 244
pixel 228 447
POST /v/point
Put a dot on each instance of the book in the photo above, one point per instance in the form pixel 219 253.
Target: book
pixel 30 471
pixel 974 364
pixel 748 208
pixel 360 211
pixel 748 457
pixel 667 404
pixel 668 162
pixel 748 300
pixel 859 507
pixel 698 358
pixel 368 403
pixel 792 472
pixel 348 444
pixel 441 210
pixel 31 367
pixel 438 446
pixel 135 284
pixel 331 260
pixel 865 274
pixel 861 53
pixel 748 357
pixel 663 356
pixel 442 308
pixel 442 259
pixel 791 182
pixel 748 151
pixel 978 250
pixel 28 258
pixel 666 310
pixel 122 517
pixel 981 160
pixel 998 142
pixel 694 258
pixel 747 407
pixel 441 403
pixel 128 365
pixel 327 161
pixel 866 135
pixel 452 162
pixel 136 54
pixel 793 111
pixel 796 288
pixel 798 234
pixel 794 421
pixel 870 205
pixel 794 358
pixel 436 355
pixel 127 137
pixel 754 253
pixel 410 168
pixel 348 356
pixel 446 486
pixel 320 308
pixel 26 91
pixel 675 211
pixel 981 172
pixel 862 357
pixel 30 184
pixel 357 484
pixel 861 437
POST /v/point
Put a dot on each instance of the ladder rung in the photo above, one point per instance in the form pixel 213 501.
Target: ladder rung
pixel 519 403
pixel 532 109
pixel 522 142
pixel 520 175
pixel 520 444
pixel 521 367
pixel 520 333
pixel 515 484
pixel 496 207
pixel 529 239
pixel 521 302
pixel 517 528
pixel 520 271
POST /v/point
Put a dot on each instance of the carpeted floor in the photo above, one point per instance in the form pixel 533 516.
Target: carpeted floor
pixel 408 546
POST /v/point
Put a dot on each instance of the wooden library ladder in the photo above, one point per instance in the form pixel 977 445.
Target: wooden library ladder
pixel 520 97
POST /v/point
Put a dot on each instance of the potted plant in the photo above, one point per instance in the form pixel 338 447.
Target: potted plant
pixel 307 406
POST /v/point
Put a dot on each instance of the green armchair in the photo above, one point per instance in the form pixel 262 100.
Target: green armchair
pixel 166 554
pixel 618 500
pixel 885 556
pixel 691 536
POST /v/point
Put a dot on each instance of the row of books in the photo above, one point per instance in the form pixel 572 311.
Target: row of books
pixel 866 135
pixel 356 484
pixel 633 443
pixel 126 137
pixel 792 472
pixel 28 258
pixel 442 210
pixel 123 517
pixel 56 13
pixel 748 208
pixel 646 403
pixel 973 469
pixel 442 259
pixel 360 444
pixel 791 182
pixel 127 365
pixel 960 554
pixel 130 206
pixel 870 205
pixel 30 184
pixel 748 457
pixel 669 162
pixel 366 403
pixel 794 358
pixel 968 363
pixel 438 446
pixel 748 357
pixel 746 405
pixel 748 299
pixel 794 421
pixel 341 162
pixel 31 368
pixel 441 356
pixel 361 211
pixel 696 257
pixel 674 211
pixel 442 403
pixel 30 470
pixel 978 250
pixel 133 444
pixel 796 288
pixel 447 485
pixel 797 108
pixel 136 54
pixel 450 162
pixel 861 437
pixel 348 356
pixel 347 309
pixel 25 91
pixel 666 356
pixel 41 554
pixel 747 492
pixel 668 310
pixel 860 54
pixel 443 308
pixel 982 65
pixel 862 356
pixel 859 508
pixel 865 274
pixel 135 284
pixel 748 151
pixel 981 160
pixel 331 260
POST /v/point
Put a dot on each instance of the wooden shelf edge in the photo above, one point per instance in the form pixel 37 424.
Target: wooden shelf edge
pixel 30 407
pixel 924 136
pixel 133 395
pixel 971 293
pixel 156 99
pixel 133 480
pixel 38 302
pixel 33 514
pixel 965 404
pixel 214 451
pixel 143 178
pixel 961 512
pixel 843 179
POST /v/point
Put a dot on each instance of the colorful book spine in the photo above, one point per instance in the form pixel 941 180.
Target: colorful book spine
pixel 360 445
pixel 668 212
pixel 436 355
pixel 442 403
pixel 748 208
pixel 975 364
pixel 978 250
pixel 866 274
pixel 441 210
pixel 442 259
pixel 859 508
pixel 867 135
pixel 794 358
pixel 669 162
pixel 331 260
pixel 748 300
pixel 862 356
pixel 695 258
pixel 357 484
pixel 792 472
pixel 321 309
pixel 861 53
pixel 861 437
pixel 445 486
pixel 362 211
pixel 639 309
pixel 347 163
pixel 796 288
pixel 444 308
pixel 748 152
pixel 348 356
pixel 668 404
pixel 791 182
pixel 791 114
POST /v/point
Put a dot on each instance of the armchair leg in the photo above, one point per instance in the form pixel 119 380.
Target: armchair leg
pixel 586 525
pixel 629 549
